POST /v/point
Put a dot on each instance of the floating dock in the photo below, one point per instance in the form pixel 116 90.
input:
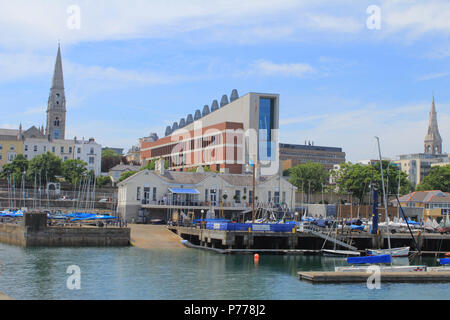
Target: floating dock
pixel 361 277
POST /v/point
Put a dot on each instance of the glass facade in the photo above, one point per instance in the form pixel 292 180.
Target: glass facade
pixel 266 125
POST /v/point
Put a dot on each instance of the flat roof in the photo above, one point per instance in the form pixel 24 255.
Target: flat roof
pixel 308 147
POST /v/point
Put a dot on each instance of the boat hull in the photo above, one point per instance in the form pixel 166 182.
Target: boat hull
pixel 394 252
pixel 382 268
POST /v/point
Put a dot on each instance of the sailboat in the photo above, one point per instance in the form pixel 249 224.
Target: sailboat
pixel 382 256
pixel 393 252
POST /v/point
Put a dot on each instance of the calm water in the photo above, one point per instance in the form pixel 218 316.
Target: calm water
pixel 132 273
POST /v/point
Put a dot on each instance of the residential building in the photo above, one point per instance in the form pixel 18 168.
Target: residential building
pixel 227 138
pixel 435 203
pixel 133 155
pixel 153 193
pixel 10 146
pixel 115 172
pixel 295 154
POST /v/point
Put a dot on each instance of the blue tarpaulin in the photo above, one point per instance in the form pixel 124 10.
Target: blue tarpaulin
pixel 385 258
pixel 444 261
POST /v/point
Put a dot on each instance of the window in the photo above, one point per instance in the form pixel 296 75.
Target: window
pixel 206 195
pixel 1 157
pixel 1 147
pixel 154 194
pixel 45 149
pixel 70 149
pixel 53 149
pixel 138 193
pixel 91 160
pixel 269 196
pixel 65 158
pixel 237 196
pixel 266 125
pixel 35 148
pixel 11 147
pixel 283 195
pixel 276 197
pixel 62 149
pixel 78 150
pixel 56 122
pixel 92 151
pixel 26 148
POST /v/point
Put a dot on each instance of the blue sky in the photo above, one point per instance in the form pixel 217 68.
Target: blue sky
pixel 134 67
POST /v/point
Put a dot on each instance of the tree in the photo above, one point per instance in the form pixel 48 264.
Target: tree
pixel 16 168
pixel 46 165
pixel 125 175
pixel 438 178
pixel 309 176
pixel 110 158
pixel 357 178
pixel 103 180
pixel 149 166
pixel 73 170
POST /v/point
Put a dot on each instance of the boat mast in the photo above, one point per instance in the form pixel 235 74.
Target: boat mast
pixel 384 195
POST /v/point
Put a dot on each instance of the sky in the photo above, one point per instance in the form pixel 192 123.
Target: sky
pixel 346 71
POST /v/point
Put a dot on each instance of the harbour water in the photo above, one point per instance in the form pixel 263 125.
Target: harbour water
pixel 183 274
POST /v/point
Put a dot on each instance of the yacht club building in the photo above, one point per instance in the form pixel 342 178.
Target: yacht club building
pixel 152 193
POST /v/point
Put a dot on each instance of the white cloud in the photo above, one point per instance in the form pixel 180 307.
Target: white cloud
pixel 416 17
pixel 401 130
pixel 433 76
pixel 269 68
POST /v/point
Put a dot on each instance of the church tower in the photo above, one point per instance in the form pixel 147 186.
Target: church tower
pixel 433 141
pixel 56 109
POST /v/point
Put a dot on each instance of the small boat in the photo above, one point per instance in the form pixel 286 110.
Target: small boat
pixel 444 266
pixel 339 253
pixel 371 261
pixel 394 252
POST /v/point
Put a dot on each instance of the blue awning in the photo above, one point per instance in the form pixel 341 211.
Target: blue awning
pixel 184 191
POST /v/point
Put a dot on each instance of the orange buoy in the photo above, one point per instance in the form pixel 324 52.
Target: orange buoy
pixel 256 257
pixel 447 254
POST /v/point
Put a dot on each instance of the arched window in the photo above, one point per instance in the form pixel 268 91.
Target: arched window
pixel 56 122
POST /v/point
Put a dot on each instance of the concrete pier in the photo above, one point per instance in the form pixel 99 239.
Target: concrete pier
pixel 349 277
pixel 231 240
pixel 33 231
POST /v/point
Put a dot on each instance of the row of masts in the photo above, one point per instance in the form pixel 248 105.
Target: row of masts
pixel 17 195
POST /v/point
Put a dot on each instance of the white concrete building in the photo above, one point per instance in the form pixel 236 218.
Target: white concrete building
pixel 86 150
pixel 154 192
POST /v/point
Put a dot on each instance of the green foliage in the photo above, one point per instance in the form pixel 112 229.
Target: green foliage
pixel 357 179
pixel 110 153
pixel 47 165
pixel 149 166
pixel 437 179
pixel 125 175
pixel 309 176
pixel 73 170
pixel 103 180
pixel 16 168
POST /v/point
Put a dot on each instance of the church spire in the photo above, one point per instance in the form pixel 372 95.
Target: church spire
pixel 56 109
pixel 433 140
pixel 58 79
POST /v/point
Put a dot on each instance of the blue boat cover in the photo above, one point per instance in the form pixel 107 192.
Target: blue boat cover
pixel 445 261
pixel 356 227
pixel 385 258
pixel 184 191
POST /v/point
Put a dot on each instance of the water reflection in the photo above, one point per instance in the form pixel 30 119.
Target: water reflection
pixel 133 273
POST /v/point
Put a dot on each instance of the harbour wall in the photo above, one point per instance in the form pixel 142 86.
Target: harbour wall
pixel 33 231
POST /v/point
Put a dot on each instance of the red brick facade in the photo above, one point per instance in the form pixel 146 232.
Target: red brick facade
pixel 218 146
